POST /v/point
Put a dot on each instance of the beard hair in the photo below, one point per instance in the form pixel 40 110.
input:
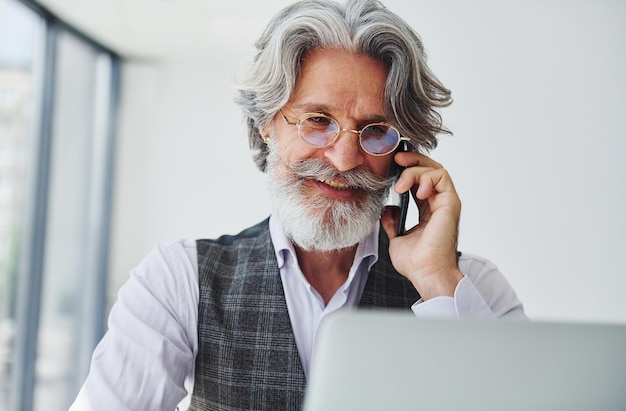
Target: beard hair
pixel 320 223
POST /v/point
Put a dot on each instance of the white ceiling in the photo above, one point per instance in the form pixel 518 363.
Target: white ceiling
pixel 166 29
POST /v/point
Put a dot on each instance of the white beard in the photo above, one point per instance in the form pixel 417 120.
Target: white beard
pixel 318 222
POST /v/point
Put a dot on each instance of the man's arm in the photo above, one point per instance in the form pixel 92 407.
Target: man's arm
pixel 482 293
pixel 149 350
pixel 426 255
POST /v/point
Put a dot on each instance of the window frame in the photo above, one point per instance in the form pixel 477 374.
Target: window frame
pixel 33 244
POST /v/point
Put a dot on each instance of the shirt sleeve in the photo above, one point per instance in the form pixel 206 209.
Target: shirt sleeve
pixel 482 293
pixel 149 350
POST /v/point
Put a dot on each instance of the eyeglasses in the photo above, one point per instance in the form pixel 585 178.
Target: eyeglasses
pixel 320 130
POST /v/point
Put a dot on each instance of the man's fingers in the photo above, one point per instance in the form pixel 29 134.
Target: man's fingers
pixel 424 181
pixel 412 159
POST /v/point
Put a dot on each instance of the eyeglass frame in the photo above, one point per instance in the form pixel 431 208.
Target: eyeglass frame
pixel 341 129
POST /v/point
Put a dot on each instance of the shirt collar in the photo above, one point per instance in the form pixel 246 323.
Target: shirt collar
pixel 367 249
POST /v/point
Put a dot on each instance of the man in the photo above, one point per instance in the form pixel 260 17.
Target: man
pixel 332 92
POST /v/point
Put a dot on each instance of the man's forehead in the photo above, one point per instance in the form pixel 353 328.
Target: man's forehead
pixel 341 83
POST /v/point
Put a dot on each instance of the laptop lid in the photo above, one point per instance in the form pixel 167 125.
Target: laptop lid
pixel 367 360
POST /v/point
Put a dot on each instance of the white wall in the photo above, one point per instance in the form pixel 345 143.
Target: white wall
pixel 538 119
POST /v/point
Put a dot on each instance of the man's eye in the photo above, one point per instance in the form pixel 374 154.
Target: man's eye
pixel 317 122
pixel 376 130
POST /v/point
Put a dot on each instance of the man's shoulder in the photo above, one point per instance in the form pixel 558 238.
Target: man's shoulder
pixel 228 239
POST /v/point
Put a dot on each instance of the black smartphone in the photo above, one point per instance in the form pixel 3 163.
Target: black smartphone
pixel 404 197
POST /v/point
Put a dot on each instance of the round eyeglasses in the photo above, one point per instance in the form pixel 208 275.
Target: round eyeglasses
pixel 320 130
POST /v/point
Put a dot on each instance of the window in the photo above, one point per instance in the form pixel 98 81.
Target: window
pixel 57 94
pixel 19 62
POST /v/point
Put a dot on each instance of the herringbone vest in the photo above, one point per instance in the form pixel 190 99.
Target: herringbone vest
pixel 247 355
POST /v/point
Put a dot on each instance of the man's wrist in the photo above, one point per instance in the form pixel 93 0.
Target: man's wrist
pixel 441 284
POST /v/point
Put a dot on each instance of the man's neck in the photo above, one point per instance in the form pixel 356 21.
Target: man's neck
pixel 326 271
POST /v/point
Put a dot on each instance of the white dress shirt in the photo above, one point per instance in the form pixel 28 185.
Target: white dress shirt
pixel 146 360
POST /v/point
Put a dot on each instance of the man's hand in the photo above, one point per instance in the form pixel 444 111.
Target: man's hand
pixel 426 254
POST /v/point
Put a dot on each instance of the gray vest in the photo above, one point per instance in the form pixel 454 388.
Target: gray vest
pixel 247 355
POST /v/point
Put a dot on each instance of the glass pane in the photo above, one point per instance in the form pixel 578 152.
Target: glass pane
pixel 74 203
pixel 20 32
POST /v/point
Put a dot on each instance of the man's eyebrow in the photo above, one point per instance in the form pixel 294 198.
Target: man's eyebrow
pixel 313 108
pixel 324 108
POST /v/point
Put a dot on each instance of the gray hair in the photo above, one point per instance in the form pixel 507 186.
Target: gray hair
pixel 412 92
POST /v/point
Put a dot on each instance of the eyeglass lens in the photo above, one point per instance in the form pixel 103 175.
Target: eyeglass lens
pixel 377 138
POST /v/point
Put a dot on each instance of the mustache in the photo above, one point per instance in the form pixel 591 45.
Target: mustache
pixel 357 178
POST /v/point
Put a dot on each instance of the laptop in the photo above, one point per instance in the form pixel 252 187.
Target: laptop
pixel 367 360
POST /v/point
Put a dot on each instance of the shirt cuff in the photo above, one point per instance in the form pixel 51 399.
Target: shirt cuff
pixel 438 307
pixel 466 303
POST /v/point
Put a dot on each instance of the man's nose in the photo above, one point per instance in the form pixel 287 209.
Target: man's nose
pixel 345 153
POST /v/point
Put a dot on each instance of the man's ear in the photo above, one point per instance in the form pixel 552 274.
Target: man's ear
pixel 266 133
